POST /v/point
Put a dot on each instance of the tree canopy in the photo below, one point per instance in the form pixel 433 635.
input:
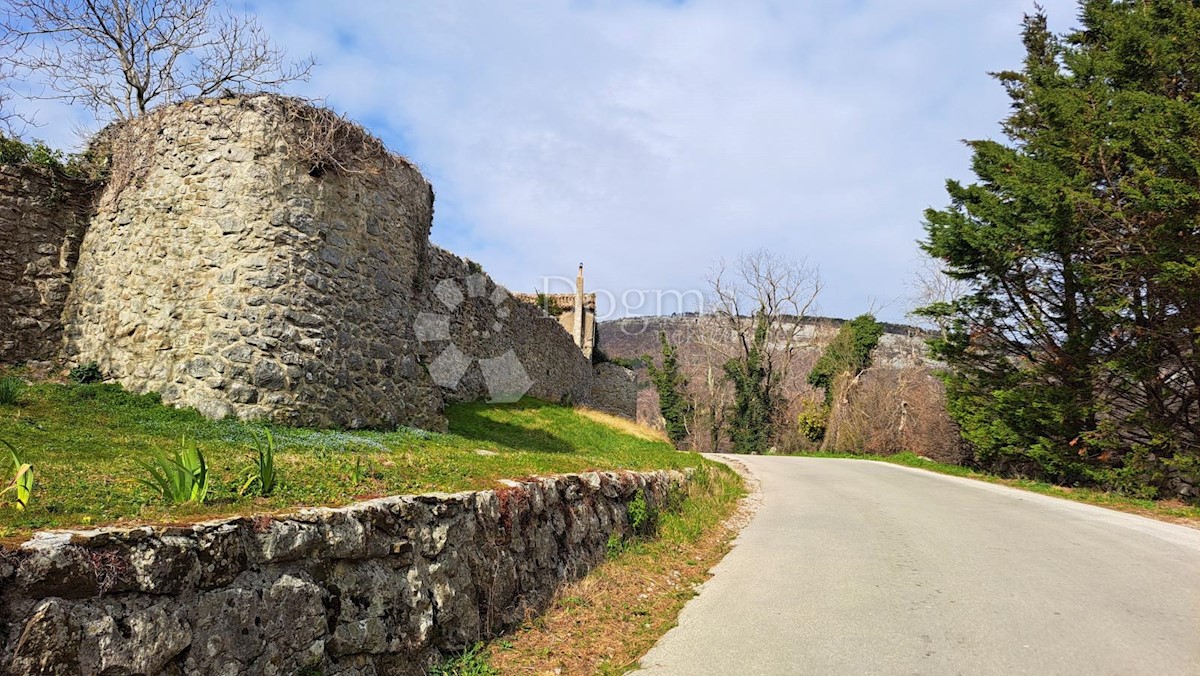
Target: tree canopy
pixel 1073 353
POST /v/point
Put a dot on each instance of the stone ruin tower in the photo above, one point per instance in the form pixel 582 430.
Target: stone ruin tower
pixel 259 257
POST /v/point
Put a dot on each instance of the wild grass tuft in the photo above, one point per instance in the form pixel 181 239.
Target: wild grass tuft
pixel 471 662
pixel 10 390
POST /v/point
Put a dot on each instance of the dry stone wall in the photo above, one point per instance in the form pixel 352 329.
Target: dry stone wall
pixel 384 586
pixel 482 343
pixel 42 218
pixel 614 390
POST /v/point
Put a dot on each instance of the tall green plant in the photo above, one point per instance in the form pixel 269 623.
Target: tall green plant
pixel 181 477
pixel 673 401
pixel 21 483
pixel 262 474
pixel 1074 356
pixel 10 390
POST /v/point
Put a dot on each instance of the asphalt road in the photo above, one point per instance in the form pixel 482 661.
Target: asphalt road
pixel 857 567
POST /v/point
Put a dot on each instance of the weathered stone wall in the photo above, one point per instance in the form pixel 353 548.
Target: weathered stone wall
pixel 42 219
pixel 384 586
pixel 614 390
pixel 238 266
pixel 258 257
pixel 482 343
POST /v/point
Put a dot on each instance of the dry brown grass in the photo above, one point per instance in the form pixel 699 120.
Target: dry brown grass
pixel 620 424
pixel 604 623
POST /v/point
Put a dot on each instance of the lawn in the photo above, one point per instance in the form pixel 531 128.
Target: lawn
pixel 85 441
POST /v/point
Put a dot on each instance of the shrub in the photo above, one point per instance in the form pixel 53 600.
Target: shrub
pixel 812 420
pixel 643 516
pixel 10 390
pixel 21 484
pixel 85 374
pixel 182 477
pixel 12 151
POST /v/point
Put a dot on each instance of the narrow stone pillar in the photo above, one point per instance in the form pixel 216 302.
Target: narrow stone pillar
pixel 579 322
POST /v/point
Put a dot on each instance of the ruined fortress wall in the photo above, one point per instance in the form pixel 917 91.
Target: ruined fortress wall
pixel 42 219
pixel 385 586
pixel 503 345
pixel 261 258
pixel 614 390
pixel 251 257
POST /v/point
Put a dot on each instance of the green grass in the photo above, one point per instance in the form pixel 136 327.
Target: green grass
pixel 1169 510
pixel 471 662
pixel 85 441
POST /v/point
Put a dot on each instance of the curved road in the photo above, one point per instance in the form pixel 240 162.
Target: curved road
pixel 858 567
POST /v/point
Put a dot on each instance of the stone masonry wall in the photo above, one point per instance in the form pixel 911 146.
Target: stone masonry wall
pixel 614 390
pixel 42 219
pixel 482 343
pixel 230 270
pixel 238 266
pixel 384 586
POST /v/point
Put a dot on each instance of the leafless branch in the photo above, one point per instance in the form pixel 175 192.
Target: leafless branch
pixel 119 57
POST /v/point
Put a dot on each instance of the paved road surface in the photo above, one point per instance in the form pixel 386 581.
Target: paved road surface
pixel 856 567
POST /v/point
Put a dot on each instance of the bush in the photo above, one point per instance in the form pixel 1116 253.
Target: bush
pixel 15 152
pixel 643 516
pixel 812 419
pixel 86 374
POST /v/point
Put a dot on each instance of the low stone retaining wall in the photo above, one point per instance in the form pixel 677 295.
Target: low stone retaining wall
pixel 384 586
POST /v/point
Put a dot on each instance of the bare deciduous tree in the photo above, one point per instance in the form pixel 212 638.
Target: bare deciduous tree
pixel 122 56
pixel 767 284
pixel 930 287
pixel 763 288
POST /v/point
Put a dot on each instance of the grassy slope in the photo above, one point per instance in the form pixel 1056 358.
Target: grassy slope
pixel 1165 510
pixel 83 442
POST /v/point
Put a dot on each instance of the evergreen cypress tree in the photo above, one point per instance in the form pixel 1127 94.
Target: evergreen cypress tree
pixel 1073 356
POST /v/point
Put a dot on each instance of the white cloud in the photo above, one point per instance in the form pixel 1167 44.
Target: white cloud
pixel 648 139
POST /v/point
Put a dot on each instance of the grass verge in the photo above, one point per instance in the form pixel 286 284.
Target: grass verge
pixel 1174 511
pixel 85 443
pixel 604 623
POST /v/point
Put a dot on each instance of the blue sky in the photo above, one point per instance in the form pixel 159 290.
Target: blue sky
pixel 648 138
